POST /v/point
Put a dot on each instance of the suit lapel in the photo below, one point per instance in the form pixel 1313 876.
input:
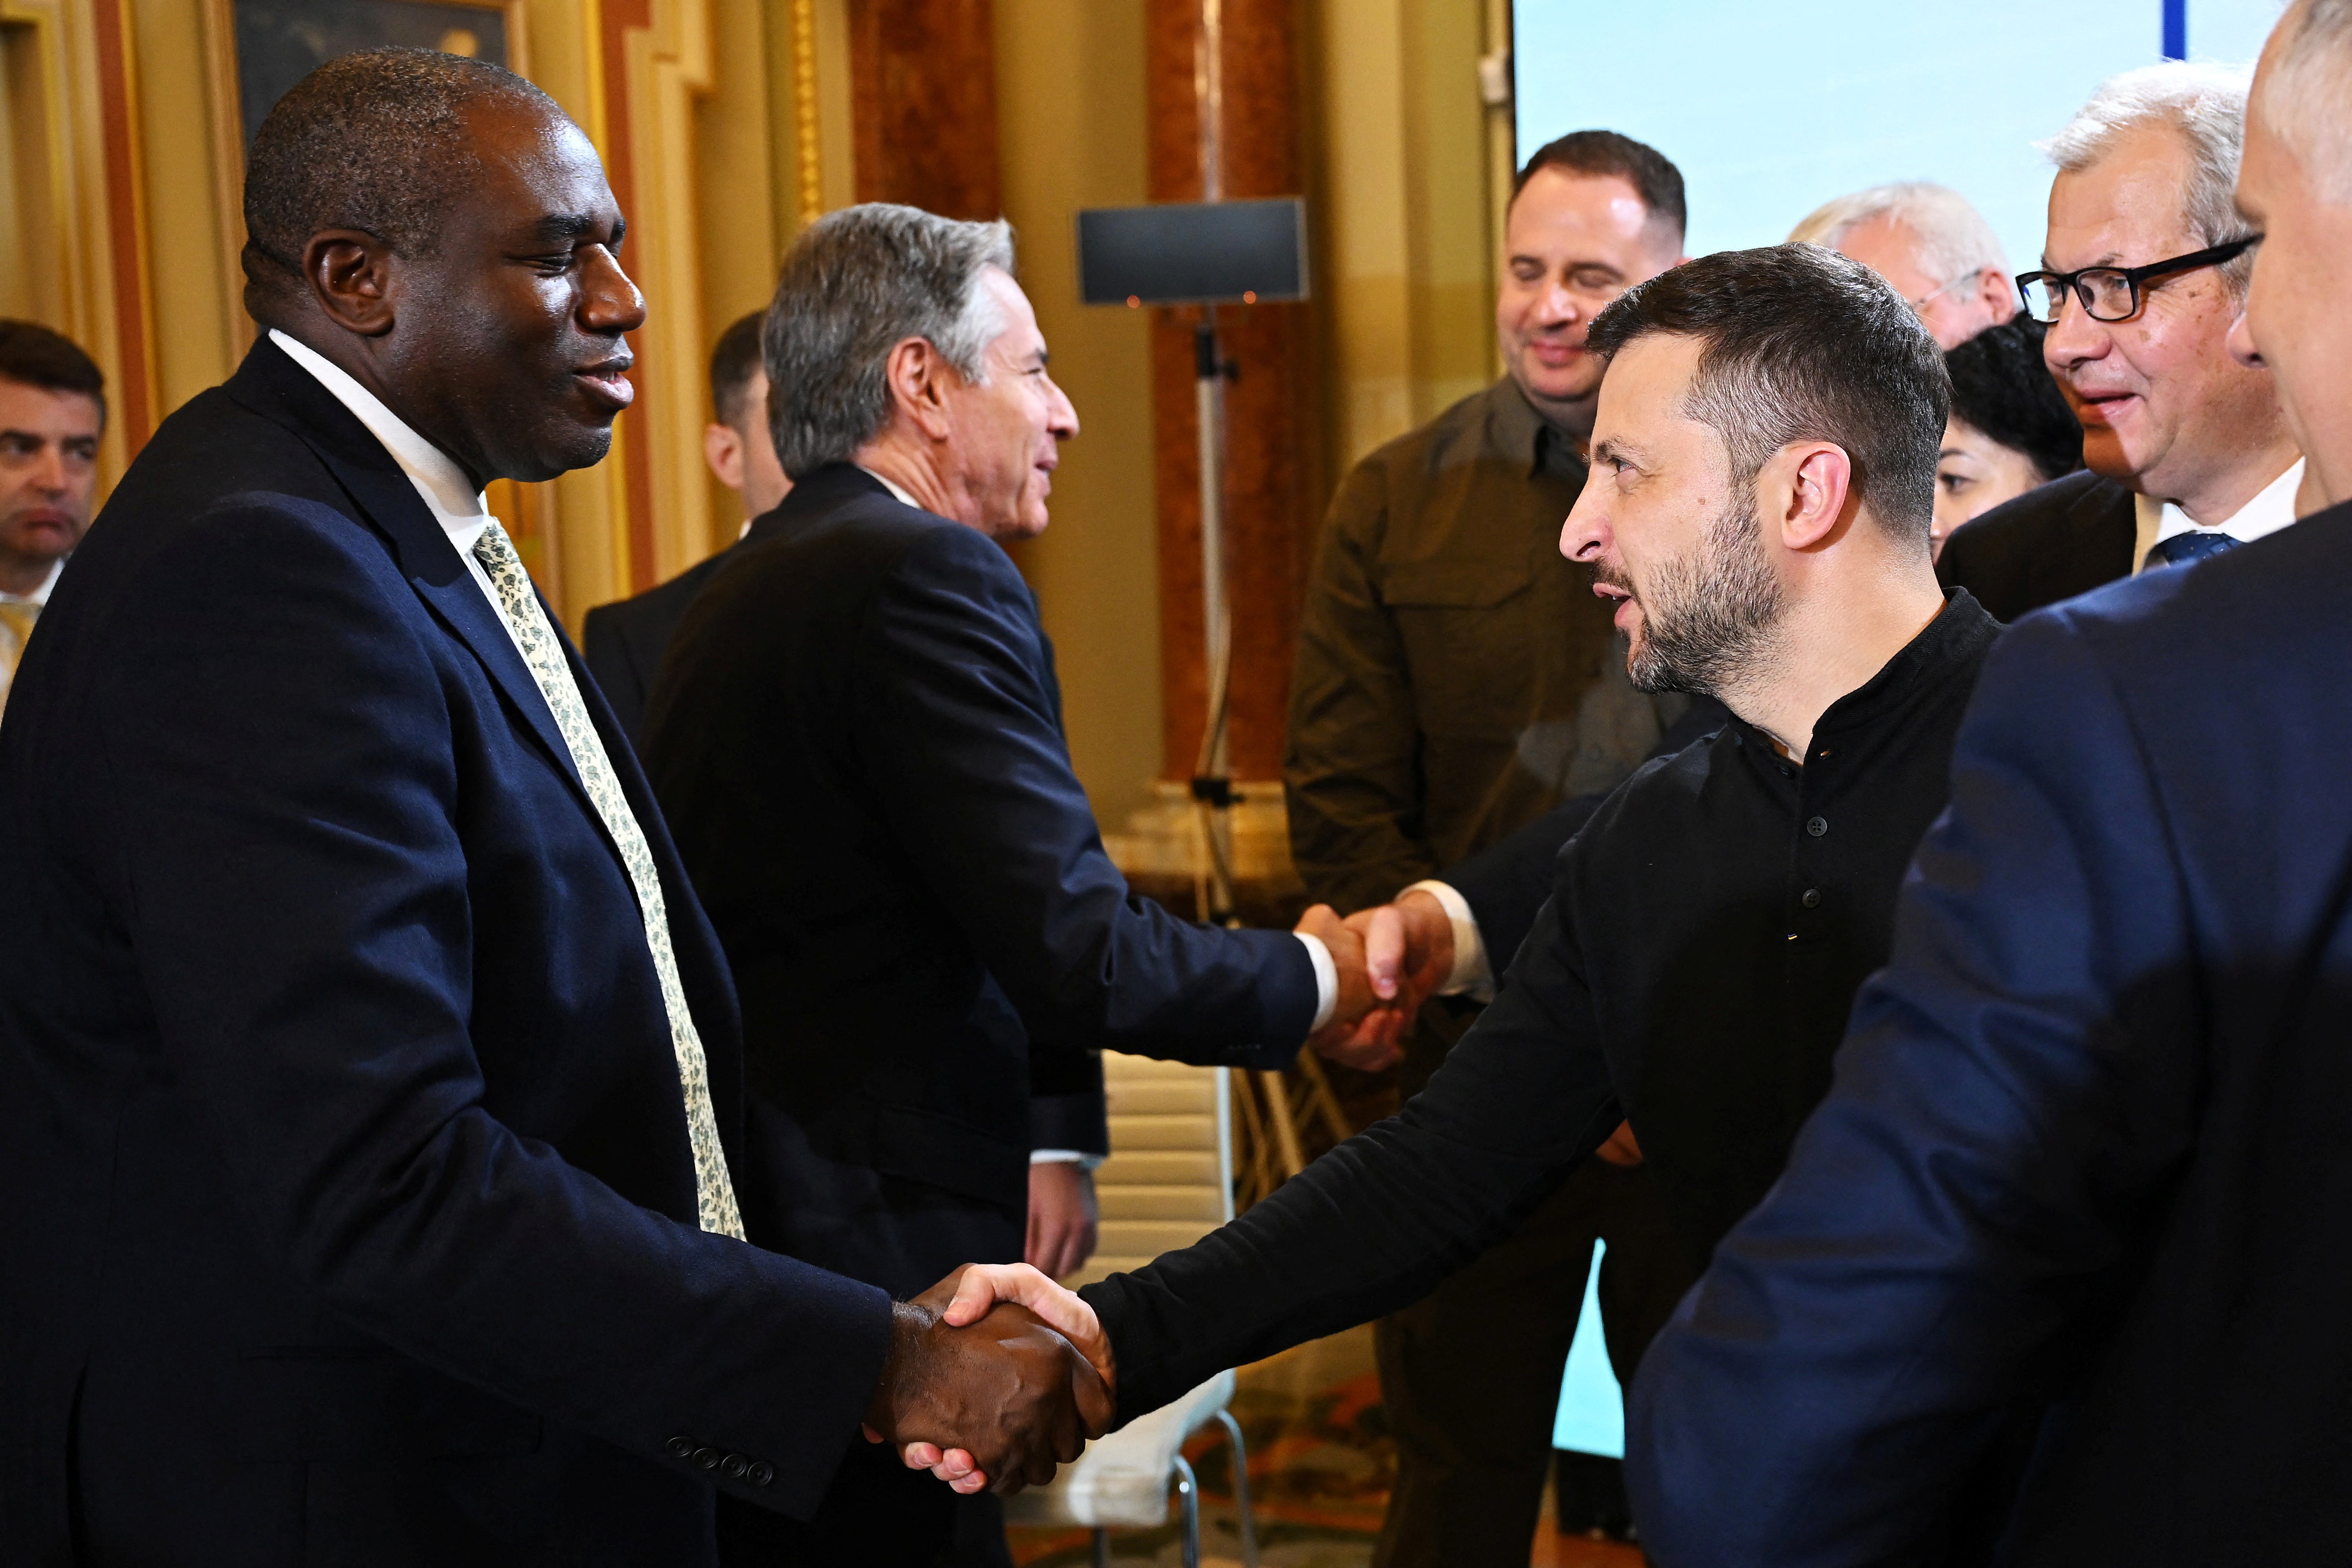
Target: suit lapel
pixel 273 385
pixel 2106 522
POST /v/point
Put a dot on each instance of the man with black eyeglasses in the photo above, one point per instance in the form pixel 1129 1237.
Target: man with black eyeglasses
pixel 2185 450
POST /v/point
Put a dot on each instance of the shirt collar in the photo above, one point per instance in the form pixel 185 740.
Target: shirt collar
pixel 1532 442
pixel 39 595
pixel 460 509
pixel 904 499
pixel 1958 637
pixel 2272 508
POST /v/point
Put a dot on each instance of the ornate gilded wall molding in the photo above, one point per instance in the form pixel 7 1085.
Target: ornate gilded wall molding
pixel 86 231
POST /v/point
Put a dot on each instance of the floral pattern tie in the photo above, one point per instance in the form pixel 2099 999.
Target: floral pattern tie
pixel 544 651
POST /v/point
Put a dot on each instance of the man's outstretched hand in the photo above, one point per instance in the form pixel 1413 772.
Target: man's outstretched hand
pixel 975 1294
pixel 1401 954
pixel 1013 1397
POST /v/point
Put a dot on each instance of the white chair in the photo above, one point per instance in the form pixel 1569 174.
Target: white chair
pixel 1168 1183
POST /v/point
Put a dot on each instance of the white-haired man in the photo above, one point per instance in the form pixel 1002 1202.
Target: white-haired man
pixel 2083 1164
pixel 1931 244
pixel 2185 449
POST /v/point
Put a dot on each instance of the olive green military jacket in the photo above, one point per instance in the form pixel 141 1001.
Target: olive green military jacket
pixel 1456 676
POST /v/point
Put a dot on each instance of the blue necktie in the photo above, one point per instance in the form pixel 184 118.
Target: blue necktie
pixel 2182 550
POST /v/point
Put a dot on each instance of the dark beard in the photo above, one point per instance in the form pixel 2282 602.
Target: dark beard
pixel 1704 616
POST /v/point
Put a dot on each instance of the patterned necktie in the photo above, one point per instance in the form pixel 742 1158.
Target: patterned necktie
pixel 2184 550
pixel 16 618
pixel 714 1192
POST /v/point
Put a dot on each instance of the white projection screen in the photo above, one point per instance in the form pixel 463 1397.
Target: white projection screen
pixel 1771 106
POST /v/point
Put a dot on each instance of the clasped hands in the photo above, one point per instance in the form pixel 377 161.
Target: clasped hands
pixel 1389 960
pixel 1004 1376
pixel 975 1372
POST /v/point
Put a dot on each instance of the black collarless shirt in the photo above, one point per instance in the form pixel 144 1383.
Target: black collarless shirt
pixel 1691 973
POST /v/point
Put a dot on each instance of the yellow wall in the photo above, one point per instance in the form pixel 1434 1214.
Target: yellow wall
pixel 1402 217
pixel 1408 256
pixel 1070 128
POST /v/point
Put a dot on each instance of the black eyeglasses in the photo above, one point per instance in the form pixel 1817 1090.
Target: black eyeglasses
pixel 2113 293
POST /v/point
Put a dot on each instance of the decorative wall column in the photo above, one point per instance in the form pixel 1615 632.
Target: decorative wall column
pixel 923 83
pixel 78 189
pixel 1253 135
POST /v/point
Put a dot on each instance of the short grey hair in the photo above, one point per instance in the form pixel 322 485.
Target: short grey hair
pixel 2205 106
pixel 1954 240
pixel 2305 95
pixel 855 285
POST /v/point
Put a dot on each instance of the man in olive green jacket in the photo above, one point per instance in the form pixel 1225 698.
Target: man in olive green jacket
pixel 1456 679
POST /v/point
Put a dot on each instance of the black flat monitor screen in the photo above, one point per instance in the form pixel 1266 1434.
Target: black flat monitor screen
pixel 1193 253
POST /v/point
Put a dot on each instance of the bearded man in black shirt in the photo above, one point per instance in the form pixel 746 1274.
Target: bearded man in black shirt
pixel 1762 485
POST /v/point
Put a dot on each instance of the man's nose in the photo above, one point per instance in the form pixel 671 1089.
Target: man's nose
pixel 2074 337
pixel 2242 345
pixel 1062 417
pixel 1584 536
pixel 1557 307
pixel 49 475
pixel 609 301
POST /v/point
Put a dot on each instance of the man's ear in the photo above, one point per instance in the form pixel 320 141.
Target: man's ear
pixel 1809 494
pixel 1999 294
pixel 350 274
pixel 722 448
pixel 919 382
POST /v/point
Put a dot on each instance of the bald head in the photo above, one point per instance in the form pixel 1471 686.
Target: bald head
pixel 376 142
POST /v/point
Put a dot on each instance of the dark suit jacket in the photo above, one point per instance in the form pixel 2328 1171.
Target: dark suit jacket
pixel 857 737
pixel 2065 537
pixel 345 1193
pixel 2086 1145
pixel 624 641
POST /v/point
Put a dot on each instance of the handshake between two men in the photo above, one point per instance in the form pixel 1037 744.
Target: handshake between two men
pixel 1389 960
pixel 997 1375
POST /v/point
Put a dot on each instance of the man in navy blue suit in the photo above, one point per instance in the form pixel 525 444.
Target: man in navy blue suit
pixel 858 738
pixel 367 1070
pixel 2076 1219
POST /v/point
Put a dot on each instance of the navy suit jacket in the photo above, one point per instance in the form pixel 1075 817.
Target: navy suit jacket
pixel 624 641
pixel 857 738
pixel 2088 1157
pixel 2059 539
pixel 345 1193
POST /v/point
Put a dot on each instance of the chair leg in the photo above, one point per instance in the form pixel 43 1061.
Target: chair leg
pixel 1240 1489
pixel 1102 1547
pixel 1188 1492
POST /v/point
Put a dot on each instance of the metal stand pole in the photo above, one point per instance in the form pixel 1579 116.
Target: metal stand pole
pixel 1213 786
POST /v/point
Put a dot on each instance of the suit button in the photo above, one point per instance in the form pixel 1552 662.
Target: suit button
pixel 1812 899
pixel 680 1447
pixel 706 1459
pixel 762 1473
pixel 734 1465
pixel 1818 826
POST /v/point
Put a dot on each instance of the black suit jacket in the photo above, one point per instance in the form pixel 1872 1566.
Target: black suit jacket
pixel 2086 1145
pixel 857 736
pixel 345 1192
pixel 624 641
pixel 2065 537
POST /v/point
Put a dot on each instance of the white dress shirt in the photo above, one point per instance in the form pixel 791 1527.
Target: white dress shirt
pixel 39 595
pixel 462 511
pixel 2272 509
pixel 1473 976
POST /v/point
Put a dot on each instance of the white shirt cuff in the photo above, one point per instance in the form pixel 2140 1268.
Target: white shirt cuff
pixel 1327 980
pixel 1064 1158
pixel 1473 977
